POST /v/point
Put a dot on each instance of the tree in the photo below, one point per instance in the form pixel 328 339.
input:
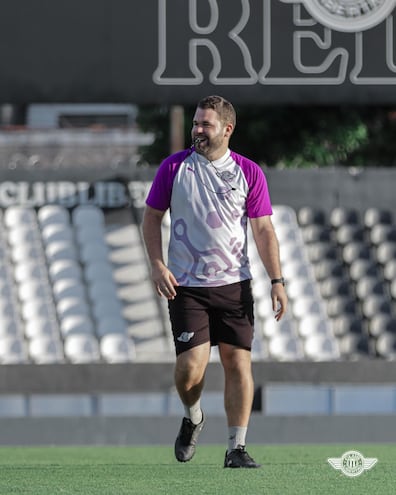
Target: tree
pixel 294 136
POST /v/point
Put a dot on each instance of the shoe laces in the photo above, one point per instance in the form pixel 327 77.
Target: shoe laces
pixel 187 431
pixel 241 450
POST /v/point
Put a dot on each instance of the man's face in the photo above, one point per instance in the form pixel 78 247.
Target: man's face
pixel 214 135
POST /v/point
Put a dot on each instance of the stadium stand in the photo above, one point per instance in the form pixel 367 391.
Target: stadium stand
pixel 340 270
pixel 358 294
pixel 75 287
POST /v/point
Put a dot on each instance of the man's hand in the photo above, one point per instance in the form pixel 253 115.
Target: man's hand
pixel 164 281
pixel 279 300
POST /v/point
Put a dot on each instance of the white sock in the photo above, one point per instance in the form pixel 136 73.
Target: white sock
pixel 236 436
pixel 194 412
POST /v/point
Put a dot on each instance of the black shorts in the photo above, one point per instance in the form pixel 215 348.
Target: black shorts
pixel 215 314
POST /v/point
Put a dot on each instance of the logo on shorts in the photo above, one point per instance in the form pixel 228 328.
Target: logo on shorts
pixel 352 463
pixel 185 336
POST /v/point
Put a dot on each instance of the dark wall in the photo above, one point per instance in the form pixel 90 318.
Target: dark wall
pixel 176 51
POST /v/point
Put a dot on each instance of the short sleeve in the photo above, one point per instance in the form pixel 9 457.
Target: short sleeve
pixel 258 202
pixel 160 193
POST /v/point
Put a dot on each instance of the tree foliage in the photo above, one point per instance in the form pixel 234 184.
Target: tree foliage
pixel 293 136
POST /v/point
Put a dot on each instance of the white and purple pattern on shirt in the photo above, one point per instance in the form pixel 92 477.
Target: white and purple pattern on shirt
pixel 209 203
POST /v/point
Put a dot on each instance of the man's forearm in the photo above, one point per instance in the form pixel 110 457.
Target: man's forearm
pixel 269 254
pixel 152 236
pixel 267 246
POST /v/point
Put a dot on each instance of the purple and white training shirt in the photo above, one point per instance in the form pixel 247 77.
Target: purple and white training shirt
pixel 209 204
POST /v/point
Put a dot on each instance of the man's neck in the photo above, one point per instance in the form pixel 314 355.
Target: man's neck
pixel 216 155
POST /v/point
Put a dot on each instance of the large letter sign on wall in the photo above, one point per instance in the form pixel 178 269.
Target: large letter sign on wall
pixel 308 42
pixel 356 16
pixel 201 35
pixel 384 71
pixel 300 42
pixel 176 51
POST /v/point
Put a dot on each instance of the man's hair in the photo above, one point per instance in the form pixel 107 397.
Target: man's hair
pixel 221 106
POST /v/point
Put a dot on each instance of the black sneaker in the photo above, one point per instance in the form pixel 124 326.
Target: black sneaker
pixel 239 458
pixel 187 439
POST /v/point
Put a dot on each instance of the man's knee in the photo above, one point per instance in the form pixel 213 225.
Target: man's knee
pixel 235 357
pixel 191 364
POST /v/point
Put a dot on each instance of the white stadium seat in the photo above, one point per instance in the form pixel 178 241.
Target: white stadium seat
pixel 76 325
pixel 27 270
pixel 25 252
pixel 314 325
pixel 57 233
pixel 101 290
pixel 287 326
pixel 72 306
pixel 13 350
pixel 46 350
pixel 41 327
pixel 285 348
pixel 53 214
pixel 107 307
pixel 19 215
pixel 37 308
pixel 111 325
pixel 96 271
pixel 89 233
pixel 24 234
pixel 82 348
pixel 33 289
pixel 87 215
pixel 9 326
pixel 60 250
pixel 94 251
pixel 117 348
pixel 67 268
pixel 321 348
pixel 68 287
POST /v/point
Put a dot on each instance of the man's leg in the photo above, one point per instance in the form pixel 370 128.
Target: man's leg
pixel 238 391
pixel 189 379
pixel 190 373
pixel 238 399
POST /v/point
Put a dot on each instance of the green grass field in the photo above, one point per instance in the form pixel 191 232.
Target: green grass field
pixel 287 469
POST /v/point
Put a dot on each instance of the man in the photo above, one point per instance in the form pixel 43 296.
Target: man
pixel 211 192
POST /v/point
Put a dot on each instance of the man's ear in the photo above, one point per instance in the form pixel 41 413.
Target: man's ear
pixel 228 130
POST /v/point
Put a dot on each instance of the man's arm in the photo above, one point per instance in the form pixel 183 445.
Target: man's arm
pixel 268 249
pixel 163 279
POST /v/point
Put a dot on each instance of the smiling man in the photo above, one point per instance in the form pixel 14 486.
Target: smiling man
pixel 212 193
